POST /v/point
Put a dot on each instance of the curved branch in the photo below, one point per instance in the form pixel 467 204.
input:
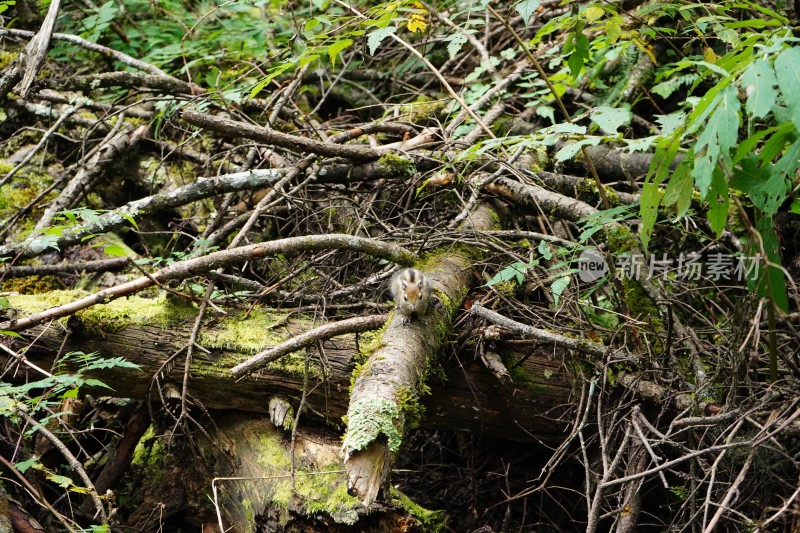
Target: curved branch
pixel 215 260
pixel 326 331
pixel 294 143
pixel 202 188
pixel 527 331
pixel 158 82
pixel 125 59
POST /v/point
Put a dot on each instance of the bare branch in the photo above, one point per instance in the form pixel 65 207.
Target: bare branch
pixel 215 260
pixel 352 325
pixel 295 143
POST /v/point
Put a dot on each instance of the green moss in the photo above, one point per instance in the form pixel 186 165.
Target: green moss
pixel 620 239
pixel 506 288
pixel 148 465
pixel 88 115
pixel 422 110
pixel 413 410
pixel 369 342
pixel 6 58
pixel 148 450
pixel 33 284
pixel 523 379
pixel 431 521
pixel 123 312
pixel 30 303
pixel 396 164
pixel 312 494
pixel 113 316
pixel 371 417
pixel 613 197
pixel 249 335
pixel 16 197
pixel 639 303
pixel 641 307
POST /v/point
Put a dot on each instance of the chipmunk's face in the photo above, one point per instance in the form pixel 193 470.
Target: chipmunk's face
pixel 412 291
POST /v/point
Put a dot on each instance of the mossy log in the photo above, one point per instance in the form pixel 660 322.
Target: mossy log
pixel 385 400
pixel 148 332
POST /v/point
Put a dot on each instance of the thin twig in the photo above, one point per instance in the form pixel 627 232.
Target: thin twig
pixel 74 464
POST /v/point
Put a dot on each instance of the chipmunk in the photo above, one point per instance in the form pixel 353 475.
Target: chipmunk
pixel 412 293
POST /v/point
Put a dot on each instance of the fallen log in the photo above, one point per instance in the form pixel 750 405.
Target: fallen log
pixel 148 332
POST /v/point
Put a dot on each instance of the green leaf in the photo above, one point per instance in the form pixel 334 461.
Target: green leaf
pixel 577 46
pixel 568 127
pixel 558 287
pixel 515 270
pixel 795 207
pixel 593 13
pixel 789 161
pixel 666 149
pixel 70 393
pixel 597 221
pixel 639 145
pixel 546 111
pixel 307 59
pixel 97 383
pixel 545 251
pixel 787 70
pixel 613 30
pixel 717 139
pixel 669 86
pixel 336 48
pixel 377 36
pixel 609 119
pixel 23 466
pixel 129 218
pixel 274 73
pixel 579 54
pixel 759 83
pixel 50 238
pixel 526 9
pixel 10 333
pixel 718 202
pixel 679 189
pixel 568 151
pixel 771 280
pixel 648 210
pixel 4 303
pixel 670 123
pixel 776 143
pixel 747 146
pixel 764 185
pixel 454 44
pixel 62 481
pixel 115 250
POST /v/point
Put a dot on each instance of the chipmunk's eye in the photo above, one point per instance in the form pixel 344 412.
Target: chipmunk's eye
pixel 405 297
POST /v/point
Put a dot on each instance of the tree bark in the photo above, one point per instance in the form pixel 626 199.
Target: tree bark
pixel 471 399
